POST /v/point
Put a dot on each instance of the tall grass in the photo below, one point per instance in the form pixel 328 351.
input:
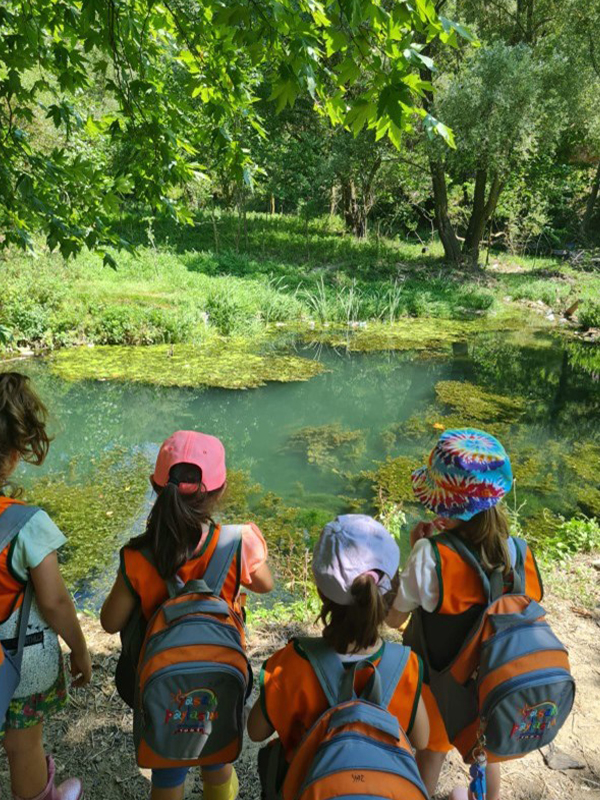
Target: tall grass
pixel 179 285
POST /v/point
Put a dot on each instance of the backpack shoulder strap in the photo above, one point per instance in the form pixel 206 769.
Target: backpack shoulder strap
pixel 12 521
pixel 519 568
pixel 456 543
pixel 230 539
pixel 15 517
pixel 391 667
pixel 326 664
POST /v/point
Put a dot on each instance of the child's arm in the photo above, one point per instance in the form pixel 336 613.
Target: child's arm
pixel 395 618
pixel 261 580
pixel 259 728
pixel 56 605
pixel 117 607
pixel 419 735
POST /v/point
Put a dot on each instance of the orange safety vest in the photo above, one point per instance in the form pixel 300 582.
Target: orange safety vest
pixel 461 587
pixel 292 698
pixel 462 598
pixel 144 581
pixel 12 588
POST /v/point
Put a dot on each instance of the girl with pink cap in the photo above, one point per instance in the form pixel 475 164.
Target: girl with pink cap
pixel 180 537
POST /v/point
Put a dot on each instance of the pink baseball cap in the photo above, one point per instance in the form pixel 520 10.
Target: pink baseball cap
pixel 192 447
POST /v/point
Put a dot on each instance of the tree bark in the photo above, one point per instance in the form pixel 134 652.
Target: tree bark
pixel 591 203
pixel 354 216
pixel 481 213
pixel 272 204
pixel 447 234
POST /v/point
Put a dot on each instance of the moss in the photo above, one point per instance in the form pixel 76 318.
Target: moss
pixel 474 403
pixel 226 364
pixel 95 511
pixel 328 446
pixel 408 334
pixel 391 481
pixel 533 471
pixel 588 499
pixel 584 460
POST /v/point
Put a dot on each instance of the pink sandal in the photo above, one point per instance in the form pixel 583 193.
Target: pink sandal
pixel 71 789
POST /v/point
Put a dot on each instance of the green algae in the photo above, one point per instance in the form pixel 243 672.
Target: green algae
pixel 533 470
pixel 391 481
pixel 429 336
pixel 584 460
pixel 328 446
pixel 223 364
pixel 94 510
pixel 471 402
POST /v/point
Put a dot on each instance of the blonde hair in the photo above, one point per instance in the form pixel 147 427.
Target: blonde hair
pixel 488 533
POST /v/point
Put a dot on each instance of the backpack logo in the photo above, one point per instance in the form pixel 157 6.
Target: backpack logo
pixel 192 712
pixel 535 720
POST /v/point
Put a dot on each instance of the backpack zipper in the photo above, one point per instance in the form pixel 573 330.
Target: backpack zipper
pixel 520 626
pixel 551 676
pixel 192 622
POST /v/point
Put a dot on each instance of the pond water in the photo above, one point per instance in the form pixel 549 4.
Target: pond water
pixel 308 442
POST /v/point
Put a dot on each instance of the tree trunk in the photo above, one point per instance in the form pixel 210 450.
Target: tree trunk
pixel 481 214
pixel 272 204
pixel 442 220
pixel 333 201
pixel 591 203
pixel 353 213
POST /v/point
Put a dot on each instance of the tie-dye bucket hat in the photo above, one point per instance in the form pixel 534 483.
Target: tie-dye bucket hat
pixel 468 471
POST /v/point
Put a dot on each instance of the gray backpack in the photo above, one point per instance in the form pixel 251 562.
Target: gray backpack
pixel 11 654
pixel 193 675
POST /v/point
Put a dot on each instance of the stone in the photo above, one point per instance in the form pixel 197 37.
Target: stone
pixel 557 759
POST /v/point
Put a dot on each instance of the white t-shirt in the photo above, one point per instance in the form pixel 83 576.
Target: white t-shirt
pixel 37 538
pixel 419 584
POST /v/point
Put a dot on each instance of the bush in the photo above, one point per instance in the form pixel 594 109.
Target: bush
pixel 589 315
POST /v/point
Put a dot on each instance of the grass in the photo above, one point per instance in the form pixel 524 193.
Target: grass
pixel 185 281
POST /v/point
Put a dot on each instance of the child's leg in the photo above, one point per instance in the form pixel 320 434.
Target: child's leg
pixel 430 765
pixel 168 784
pixel 27 761
pixel 492 779
pixel 220 782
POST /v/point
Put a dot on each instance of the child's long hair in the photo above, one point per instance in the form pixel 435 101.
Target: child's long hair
pixel 174 524
pixel 23 419
pixel 488 533
pixel 356 627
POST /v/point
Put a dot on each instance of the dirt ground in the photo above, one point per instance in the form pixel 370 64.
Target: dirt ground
pixel 91 738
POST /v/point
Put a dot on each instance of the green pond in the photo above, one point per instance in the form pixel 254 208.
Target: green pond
pixel 345 439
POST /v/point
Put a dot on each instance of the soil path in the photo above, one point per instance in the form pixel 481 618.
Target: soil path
pixel 92 737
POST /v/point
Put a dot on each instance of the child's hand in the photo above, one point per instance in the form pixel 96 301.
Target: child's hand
pixel 81 668
pixel 423 530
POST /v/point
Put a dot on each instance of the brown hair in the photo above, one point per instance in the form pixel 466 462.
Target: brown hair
pixel 23 419
pixel 488 533
pixel 174 525
pixel 356 627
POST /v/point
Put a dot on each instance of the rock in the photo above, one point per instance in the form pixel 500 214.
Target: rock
pixel 558 759
pixel 596 564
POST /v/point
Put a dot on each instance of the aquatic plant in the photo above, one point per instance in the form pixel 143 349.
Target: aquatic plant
pixel 95 507
pixel 226 364
pixel 474 403
pixel 391 481
pixel 584 460
pixel 328 446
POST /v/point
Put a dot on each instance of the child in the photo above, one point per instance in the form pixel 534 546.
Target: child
pixel 355 565
pixel 31 556
pixel 467 474
pixel 190 479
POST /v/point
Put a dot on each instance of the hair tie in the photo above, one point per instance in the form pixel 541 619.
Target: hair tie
pixel 372 573
pixel 175 481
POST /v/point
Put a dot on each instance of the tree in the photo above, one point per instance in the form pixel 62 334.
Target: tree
pixel 506 102
pixel 53 51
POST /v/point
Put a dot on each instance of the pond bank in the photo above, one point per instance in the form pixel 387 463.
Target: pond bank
pixel 92 737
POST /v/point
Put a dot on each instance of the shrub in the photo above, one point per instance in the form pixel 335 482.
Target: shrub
pixel 589 315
